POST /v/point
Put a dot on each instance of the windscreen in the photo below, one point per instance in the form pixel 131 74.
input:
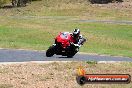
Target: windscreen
pixel 64 35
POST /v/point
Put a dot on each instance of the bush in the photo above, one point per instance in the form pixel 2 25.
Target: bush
pixel 104 1
pixel 2 2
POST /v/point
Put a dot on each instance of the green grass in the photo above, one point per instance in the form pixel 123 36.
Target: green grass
pixel 81 8
pixel 33 33
pixel 18 29
pixel 23 38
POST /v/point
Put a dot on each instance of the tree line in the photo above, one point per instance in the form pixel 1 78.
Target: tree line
pixel 18 3
pixel 15 2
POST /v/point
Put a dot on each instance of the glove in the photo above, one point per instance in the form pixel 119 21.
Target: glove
pixel 77 45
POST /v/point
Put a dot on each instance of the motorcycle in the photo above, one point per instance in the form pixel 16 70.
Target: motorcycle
pixel 63 46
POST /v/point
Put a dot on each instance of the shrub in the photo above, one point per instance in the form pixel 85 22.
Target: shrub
pixel 104 1
pixel 2 2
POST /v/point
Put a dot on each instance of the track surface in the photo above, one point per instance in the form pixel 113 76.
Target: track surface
pixel 9 55
pixel 68 17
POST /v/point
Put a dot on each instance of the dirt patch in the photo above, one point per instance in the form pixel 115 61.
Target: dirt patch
pixel 57 74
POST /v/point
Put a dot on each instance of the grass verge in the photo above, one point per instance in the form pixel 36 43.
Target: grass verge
pixel 30 28
pixel 39 33
pixel 60 74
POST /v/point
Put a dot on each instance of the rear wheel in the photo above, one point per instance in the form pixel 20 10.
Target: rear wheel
pixel 50 51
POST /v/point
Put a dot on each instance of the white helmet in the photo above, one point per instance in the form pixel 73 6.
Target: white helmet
pixel 76 32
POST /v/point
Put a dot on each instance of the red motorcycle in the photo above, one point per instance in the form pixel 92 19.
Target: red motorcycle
pixel 63 46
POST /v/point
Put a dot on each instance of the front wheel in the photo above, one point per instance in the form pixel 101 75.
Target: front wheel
pixel 70 55
pixel 50 51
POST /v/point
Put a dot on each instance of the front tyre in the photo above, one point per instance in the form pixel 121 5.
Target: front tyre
pixel 70 55
pixel 50 51
pixel 72 52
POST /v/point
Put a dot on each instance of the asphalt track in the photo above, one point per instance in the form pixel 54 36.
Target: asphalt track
pixel 12 55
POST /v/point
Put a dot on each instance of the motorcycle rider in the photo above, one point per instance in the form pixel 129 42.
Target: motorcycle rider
pixel 77 37
pixel 66 44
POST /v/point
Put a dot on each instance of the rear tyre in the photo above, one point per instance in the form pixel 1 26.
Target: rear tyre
pixel 50 51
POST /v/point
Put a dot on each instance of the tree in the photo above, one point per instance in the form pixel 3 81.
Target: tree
pixel 20 2
pixel 2 2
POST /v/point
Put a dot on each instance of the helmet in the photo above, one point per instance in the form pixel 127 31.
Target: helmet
pixel 76 32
